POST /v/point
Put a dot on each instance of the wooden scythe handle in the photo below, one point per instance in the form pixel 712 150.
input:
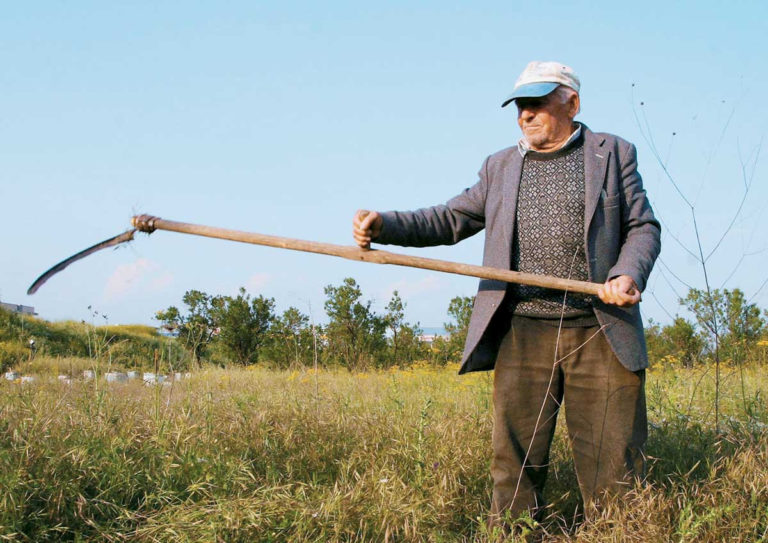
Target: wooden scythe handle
pixel 148 223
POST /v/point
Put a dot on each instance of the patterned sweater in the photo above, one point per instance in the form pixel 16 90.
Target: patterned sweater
pixel 549 234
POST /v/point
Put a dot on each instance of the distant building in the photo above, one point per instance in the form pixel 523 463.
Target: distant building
pixel 168 330
pixel 429 339
pixel 429 335
pixel 18 308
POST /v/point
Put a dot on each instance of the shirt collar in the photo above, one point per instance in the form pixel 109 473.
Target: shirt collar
pixel 524 148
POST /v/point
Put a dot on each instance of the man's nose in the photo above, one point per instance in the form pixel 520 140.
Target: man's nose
pixel 525 113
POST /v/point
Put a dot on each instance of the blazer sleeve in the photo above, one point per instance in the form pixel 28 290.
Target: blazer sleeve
pixel 641 232
pixel 444 224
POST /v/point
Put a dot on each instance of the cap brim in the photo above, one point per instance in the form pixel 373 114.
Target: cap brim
pixel 531 90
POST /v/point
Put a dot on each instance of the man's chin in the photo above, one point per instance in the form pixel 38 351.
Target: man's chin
pixel 534 141
pixel 532 133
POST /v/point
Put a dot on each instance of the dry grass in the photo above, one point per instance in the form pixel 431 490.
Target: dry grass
pixel 391 456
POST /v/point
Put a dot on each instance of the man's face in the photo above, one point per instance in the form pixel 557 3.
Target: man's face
pixel 546 122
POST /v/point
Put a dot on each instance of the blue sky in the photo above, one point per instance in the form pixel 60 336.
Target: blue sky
pixel 284 118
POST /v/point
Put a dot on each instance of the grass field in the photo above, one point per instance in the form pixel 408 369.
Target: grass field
pixel 402 455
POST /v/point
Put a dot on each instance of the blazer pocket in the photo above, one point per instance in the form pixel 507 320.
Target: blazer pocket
pixel 611 201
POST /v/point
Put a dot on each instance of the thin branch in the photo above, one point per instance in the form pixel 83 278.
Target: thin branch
pixel 674 274
pixel 648 137
pixel 577 349
pixel 747 186
pixel 695 389
pixel 744 256
pixel 669 149
pixel 735 268
pixel 669 283
pixel 671 317
pixel 758 290
pixel 710 299
pixel 674 237
pixel 728 229
pixel 714 149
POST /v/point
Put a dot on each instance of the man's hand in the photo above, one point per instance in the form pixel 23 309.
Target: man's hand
pixel 621 291
pixel 366 226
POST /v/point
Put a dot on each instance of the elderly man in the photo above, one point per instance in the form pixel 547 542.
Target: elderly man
pixel 568 202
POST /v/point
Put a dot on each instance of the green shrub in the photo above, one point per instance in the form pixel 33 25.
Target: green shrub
pixel 11 353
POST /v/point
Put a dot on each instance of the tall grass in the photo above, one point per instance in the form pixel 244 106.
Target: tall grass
pixel 261 455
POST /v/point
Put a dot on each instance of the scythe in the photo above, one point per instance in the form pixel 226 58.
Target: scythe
pixel 148 224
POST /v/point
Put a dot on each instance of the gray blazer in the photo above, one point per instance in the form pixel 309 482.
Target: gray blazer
pixel 622 237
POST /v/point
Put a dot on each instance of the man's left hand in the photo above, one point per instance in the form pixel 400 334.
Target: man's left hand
pixel 621 291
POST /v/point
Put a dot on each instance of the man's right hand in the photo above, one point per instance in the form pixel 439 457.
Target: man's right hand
pixel 366 226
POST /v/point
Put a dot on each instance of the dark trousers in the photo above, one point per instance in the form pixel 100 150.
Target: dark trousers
pixel 537 372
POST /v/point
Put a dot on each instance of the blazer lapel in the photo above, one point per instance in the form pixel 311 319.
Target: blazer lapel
pixel 595 167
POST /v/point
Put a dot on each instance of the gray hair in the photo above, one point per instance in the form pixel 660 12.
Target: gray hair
pixel 563 93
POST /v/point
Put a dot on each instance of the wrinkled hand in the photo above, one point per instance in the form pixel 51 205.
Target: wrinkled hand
pixel 621 291
pixel 366 226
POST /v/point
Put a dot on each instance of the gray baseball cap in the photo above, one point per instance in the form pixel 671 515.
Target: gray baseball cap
pixel 540 78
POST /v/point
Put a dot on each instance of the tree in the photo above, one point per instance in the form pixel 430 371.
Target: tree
pixel 687 343
pixel 243 323
pixel 292 340
pixel 460 309
pixel 395 318
pixel 196 328
pixel 680 340
pixel 450 349
pixel 355 333
pixel 404 344
pixel 729 320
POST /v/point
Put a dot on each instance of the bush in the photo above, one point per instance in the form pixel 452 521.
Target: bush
pixel 11 353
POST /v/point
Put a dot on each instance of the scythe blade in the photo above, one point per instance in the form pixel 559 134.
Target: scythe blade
pixel 111 242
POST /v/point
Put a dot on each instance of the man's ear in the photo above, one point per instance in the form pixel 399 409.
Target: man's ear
pixel 574 105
